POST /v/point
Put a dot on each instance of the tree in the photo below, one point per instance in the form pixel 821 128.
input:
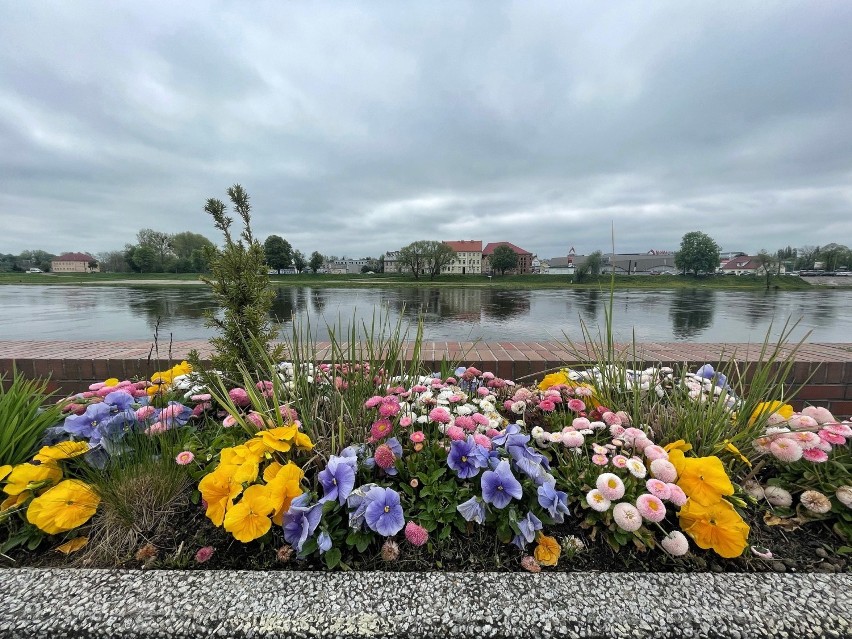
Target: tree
pixel 440 255
pixel 766 262
pixel 240 283
pixel 316 262
pixel 591 266
pixel 503 259
pixel 38 259
pixel 299 261
pixel 159 242
pixel 413 257
pixel 698 253
pixel 279 253
pixel 183 245
pixel 113 262
pixel 144 259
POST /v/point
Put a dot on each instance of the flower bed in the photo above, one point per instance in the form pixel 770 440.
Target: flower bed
pixel 343 466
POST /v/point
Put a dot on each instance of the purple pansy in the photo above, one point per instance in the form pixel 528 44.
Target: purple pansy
pixel 384 513
pixel 555 501
pixel 528 527
pixel 338 479
pixel 324 542
pixel 466 457
pixel 472 510
pixel 85 426
pixel 500 486
pixel 301 521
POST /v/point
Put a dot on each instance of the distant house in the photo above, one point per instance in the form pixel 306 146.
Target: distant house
pixel 74 263
pixel 746 265
pixel 561 265
pixel 524 257
pixel 392 262
pixel 468 258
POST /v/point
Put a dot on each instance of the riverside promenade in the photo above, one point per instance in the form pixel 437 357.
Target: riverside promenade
pixel 193 604
pixel 823 370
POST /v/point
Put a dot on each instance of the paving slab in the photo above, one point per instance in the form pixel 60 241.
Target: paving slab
pixel 147 604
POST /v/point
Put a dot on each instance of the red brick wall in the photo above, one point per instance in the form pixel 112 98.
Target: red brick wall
pixel 824 369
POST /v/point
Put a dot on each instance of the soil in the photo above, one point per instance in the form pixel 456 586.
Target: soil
pixel 809 548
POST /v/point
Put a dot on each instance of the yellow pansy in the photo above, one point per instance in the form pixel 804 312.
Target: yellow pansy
pixel 704 479
pixel 785 410
pixel 553 379
pixel 66 506
pixel 736 451
pixel 62 450
pixel 31 477
pixel 73 546
pixel 112 381
pixel 249 519
pixel 548 551
pixel 716 526
pixel 14 501
pixel 680 445
pixel 283 486
pixel 281 438
pixel 5 470
pixel 218 489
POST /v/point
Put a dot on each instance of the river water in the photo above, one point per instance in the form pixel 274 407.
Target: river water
pixel 450 313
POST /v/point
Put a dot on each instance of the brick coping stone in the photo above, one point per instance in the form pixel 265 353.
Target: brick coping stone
pixel 198 603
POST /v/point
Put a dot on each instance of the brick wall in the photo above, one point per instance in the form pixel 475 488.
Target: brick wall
pixel 825 369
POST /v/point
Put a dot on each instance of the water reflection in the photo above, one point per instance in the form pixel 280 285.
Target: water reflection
pixel 691 312
pixel 504 305
pixel 451 313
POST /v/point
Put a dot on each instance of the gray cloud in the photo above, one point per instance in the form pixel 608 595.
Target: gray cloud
pixel 359 127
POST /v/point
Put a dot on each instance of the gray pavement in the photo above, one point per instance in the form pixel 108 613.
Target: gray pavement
pixel 116 603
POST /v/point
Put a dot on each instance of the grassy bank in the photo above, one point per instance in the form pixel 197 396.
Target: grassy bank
pixel 787 283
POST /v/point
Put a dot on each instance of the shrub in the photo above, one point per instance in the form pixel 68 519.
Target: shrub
pixel 23 419
pixel 239 281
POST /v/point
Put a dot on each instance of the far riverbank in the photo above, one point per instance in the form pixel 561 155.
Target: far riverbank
pixel 513 282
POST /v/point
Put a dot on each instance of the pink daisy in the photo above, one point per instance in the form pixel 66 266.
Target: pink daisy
pixel 405 422
pixel 832 438
pixel 204 554
pixel 815 455
pixel 658 488
pixel 675 543
pixel 415 534
pixel 655 452
pixel 627 517
pixel 184 458
pixel 843 430
pixel 663 470
pixel 572 439
pixel 380 429
pixel 677 496
pixel 597 501
pixel 144 413
pixel 619 461
pixel 417 436
pixel 384 457
pixel 239 396
pixel 547 406
pixel 482 440
pixel 455 433
pixel 389 409
pixel 786 450
pixel 440 415
pixel 465 422
pixel 600 460
pixel 651 507
pixel 577 405
pixel 581 423
pixel 480 419
pixel 610 486
pixel 804 438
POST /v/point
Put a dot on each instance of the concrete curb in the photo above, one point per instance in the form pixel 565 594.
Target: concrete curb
pixel 147 604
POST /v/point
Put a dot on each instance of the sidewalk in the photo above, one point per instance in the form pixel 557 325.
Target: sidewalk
pixel 143 604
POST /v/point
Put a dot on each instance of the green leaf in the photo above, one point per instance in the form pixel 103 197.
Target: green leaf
pixel 332 558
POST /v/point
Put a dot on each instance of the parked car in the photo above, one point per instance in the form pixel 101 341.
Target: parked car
pixel 34 270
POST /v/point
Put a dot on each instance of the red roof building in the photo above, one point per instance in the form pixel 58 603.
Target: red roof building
pixel 74 263
pixel 524 257
pixel 468 257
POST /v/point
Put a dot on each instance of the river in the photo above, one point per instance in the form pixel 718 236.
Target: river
pixel 450 313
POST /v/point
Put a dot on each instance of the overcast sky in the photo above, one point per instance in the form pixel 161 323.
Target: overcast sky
pixel 359 127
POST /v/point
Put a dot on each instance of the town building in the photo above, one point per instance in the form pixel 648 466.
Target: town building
pixel 525 258
pixel 748 265
pixel 74 263
pixel 392 262
pixel 468 260
pixel 348 267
